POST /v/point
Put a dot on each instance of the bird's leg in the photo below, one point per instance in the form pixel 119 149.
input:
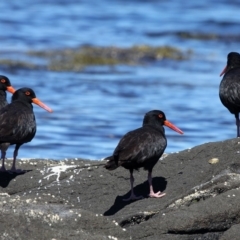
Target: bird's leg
pixel 152 193
pixel 4 147
pixel 132 196
pixel 15 153
pixel 237 123
pixel 3 155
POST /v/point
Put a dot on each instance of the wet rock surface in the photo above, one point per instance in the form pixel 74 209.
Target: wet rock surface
pixel 79 199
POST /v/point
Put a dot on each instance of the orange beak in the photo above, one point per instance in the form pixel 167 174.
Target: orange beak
pixel 223 71
pixel 41 104
pixel 172 126
pixel 10 89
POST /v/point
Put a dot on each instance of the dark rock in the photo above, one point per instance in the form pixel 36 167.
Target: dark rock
pixel 233 233
pixel 79 199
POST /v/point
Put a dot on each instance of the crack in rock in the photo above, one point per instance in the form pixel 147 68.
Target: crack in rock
pixel 137 219
pixel 221 183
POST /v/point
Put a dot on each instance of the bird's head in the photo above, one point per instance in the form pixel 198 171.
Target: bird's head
pixel 233 61
pixel 28 95
pixel 5 84
pixel 157 117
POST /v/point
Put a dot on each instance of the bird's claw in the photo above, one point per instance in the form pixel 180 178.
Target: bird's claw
pixel 157 195
pixel 3 169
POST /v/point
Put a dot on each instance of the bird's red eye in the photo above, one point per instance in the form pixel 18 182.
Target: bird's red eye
pixel 160 115
pixel 3 80
pixel 27 93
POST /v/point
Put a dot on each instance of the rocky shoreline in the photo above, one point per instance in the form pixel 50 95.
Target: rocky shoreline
pixel 79 199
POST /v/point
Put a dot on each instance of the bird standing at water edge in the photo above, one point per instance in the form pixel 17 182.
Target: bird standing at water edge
pixel 5 85
pixel 142 148
pixel 17 122
pixel 229 91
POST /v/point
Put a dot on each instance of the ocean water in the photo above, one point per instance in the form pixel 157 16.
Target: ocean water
pixel 94 108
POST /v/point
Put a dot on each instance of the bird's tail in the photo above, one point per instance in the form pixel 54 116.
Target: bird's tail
pixel 111 164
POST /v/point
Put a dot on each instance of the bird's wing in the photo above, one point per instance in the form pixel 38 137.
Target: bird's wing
pixel 16 124
pixel 140 144
pixel 234 92
pixel 230 89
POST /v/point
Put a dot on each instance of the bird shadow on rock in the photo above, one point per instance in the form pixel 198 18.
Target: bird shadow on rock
pixel 159 184
pixel 7 177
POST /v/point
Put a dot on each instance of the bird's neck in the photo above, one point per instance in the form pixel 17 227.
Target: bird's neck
pixel 23 103
pixel 156 126
pixel 3 94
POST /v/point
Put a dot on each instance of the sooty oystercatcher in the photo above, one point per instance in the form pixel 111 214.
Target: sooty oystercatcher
pixel 229 90
pixel 5 85
pixel 142 147
pixel 17 122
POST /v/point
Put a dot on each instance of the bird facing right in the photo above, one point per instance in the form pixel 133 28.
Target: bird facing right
pixel 5 85
pixel 142 147
pixel 17 122
pixel 229 90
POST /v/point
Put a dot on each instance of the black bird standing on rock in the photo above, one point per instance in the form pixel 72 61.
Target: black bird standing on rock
pixel 229 91
pixel 17 122
pixel 5 85
pixel 142 148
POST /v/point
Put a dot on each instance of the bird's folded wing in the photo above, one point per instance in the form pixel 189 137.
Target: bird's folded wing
pixel 139 145
pixel 15 124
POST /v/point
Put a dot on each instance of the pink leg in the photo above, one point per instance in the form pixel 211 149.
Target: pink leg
pixel 132 196
pixel 152 193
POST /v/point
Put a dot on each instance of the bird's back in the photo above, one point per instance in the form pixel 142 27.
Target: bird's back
pixel 17 123
pixel 140 148
pixel 229 91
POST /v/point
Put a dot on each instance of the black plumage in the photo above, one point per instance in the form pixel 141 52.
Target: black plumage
pixel 17 122
pixel 5 85
pixel 229 90
pixel 142 148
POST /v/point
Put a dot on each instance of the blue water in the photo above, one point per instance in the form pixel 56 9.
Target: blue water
pixel 95 107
